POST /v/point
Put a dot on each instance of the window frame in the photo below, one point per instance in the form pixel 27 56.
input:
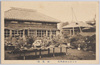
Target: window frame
pixel 7 32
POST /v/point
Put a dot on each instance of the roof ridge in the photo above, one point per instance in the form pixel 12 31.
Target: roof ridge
pixel 23 9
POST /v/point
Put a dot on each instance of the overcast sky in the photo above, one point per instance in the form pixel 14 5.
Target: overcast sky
pixel 62 11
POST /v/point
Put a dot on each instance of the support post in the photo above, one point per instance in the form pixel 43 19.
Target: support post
pixel 20 54
pixel 53 51
pixel 70 32
pixel 46 33
pixel 28 32
pixel 5 55
pixel 66 50
pixel 10 33
pixel 60 49
pixel 23 33
pixel 50 33
pixel 48 51
pixel 35 52
pixel 56 33
pixel 24 56
pixel 36 33
pixel 40 53
pixel 80 29
pixel 73 30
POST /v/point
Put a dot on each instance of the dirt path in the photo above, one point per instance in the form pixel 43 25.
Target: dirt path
pixel 73 54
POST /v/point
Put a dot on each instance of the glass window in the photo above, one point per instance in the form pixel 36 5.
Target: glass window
pixel 20 32
pixel 14 32
pixel 31 32
pixel 48 33
pixel 38 33
pixel 43 33
pixel 7 33
pixel 53 32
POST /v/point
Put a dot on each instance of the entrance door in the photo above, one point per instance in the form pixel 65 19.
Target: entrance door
pixel 26 32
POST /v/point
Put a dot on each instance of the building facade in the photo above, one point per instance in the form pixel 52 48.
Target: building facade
pixel 25 22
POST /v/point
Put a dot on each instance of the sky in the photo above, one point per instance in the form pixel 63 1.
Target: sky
pixel 62 11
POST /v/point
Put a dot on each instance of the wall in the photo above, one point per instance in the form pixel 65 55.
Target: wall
pixel 22 24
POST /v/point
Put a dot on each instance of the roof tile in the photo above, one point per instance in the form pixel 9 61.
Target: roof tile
pixel 28 14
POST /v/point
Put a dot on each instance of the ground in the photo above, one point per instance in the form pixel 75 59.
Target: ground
pixel 72 54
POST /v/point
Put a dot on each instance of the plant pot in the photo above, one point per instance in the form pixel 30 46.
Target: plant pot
pixel 84 49
pixel 78 48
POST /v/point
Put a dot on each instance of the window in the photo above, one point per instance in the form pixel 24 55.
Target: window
pixel 20 32
pixel 48 33
pixel 7 33
pixel 17 32
pixel 43 33
pixel 53 32
pixel 38 33
pixel 31 32
pixel 14 32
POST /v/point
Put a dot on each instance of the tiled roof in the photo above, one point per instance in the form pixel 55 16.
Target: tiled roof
pixel 27 14
pixel 74 24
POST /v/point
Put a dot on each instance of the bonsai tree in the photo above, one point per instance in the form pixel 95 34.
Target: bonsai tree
pixel 58 39
pixel 29 41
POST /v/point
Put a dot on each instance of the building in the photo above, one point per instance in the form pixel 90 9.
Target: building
pixel 27 22
pixel 75 28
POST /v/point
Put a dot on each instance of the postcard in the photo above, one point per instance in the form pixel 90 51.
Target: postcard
pixel 50 32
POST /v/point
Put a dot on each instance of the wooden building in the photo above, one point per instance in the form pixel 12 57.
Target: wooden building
pixel 27 22
pixel 75 28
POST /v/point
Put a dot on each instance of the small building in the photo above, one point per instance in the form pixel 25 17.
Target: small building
pixel 75 28
pixel 27 22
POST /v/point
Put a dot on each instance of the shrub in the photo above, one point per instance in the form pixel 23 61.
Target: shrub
pixel 91 43
pixel 59 39
pixel 30 40
pixel 88 42
pixel 54 40
pixel 78 39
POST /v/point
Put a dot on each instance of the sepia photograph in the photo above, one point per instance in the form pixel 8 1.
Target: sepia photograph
pixel 49 32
